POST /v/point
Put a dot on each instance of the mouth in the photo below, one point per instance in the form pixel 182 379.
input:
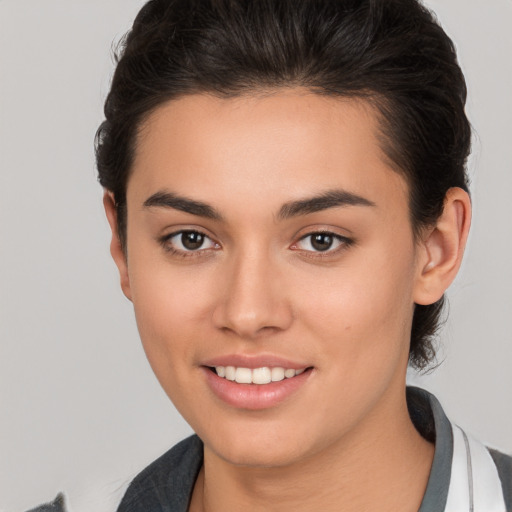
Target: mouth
pixel 259 376
pixel 256 388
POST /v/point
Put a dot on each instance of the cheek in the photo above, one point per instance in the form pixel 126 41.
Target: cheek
pixel 364 309
pixel 170 308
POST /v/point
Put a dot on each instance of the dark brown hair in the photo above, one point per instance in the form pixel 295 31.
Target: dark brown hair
pixel 391 52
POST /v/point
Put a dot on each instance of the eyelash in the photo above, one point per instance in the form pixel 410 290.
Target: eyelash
pixel 165 241
pixel 343 241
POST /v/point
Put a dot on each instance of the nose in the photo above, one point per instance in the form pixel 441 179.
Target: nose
pixel 253 300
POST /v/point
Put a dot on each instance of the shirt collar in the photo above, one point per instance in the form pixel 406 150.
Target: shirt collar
pixel 431 422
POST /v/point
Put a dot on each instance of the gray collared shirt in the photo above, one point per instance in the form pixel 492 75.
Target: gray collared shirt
pixel 166 485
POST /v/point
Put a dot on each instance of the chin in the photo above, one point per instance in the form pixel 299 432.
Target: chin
pixel 258 458
pixel 267 446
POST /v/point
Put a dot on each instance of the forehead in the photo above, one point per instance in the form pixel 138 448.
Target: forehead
pixel 283 144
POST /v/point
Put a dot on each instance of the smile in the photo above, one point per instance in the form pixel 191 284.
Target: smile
pixel 260 376
pixel 257 388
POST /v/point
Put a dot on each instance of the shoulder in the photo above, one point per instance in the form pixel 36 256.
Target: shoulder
pixel 167 483
pixel 458 458
pixel 504 465
pixel 57 505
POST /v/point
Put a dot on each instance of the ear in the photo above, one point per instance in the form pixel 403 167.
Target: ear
pixel 116 249
pixel 441 250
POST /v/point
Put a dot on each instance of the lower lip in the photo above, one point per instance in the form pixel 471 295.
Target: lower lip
pixel 255 396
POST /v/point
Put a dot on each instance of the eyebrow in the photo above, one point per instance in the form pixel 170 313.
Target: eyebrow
pixel 169 200
pixel 324 201
pixel 330 199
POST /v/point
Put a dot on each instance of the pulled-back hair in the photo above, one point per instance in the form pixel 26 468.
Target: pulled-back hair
pixel 392 53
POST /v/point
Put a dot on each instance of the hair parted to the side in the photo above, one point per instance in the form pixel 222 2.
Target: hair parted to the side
pixel 392 53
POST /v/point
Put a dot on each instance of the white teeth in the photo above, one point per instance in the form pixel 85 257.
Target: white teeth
pixel 243 375
pixel 230 372
pixel 277 374
pixel 260 376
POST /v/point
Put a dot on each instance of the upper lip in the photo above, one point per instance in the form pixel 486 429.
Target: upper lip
pixel 254 361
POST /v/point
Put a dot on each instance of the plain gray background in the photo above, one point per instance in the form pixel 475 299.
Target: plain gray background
pixel 80 409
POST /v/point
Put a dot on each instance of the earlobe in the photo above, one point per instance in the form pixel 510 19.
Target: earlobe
pixel 442 249
pixel 116 248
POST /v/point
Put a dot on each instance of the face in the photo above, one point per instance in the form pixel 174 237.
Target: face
pixel 268 237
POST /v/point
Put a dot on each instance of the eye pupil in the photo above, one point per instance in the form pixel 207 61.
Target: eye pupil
pixel 321 241
pixel 192 240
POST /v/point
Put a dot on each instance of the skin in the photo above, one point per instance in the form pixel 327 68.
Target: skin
pixel 257 286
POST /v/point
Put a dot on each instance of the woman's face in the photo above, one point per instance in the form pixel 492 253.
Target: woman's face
pixel 269 234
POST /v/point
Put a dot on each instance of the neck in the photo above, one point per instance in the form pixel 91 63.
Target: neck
pixel 382 465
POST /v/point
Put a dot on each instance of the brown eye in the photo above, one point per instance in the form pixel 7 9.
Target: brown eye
pixel 322 241
pixel 188 241
pixel 192 240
